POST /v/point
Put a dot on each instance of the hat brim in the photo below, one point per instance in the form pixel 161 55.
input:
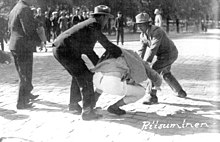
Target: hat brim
pixel 103 13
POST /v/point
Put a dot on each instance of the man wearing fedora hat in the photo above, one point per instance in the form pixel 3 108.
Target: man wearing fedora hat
pixel 68 48
pixel 163 48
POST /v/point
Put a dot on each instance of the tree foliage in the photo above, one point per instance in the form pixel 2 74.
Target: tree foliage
pixel 182 9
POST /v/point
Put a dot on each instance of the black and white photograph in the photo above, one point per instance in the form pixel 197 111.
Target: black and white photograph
pixel 109 70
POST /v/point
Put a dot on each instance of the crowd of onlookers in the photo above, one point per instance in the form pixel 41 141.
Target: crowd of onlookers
pixel 56 22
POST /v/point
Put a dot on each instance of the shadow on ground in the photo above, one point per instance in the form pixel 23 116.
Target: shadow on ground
pixel 183 122
pixel 14 139
pixel 12 114
pixel 201 119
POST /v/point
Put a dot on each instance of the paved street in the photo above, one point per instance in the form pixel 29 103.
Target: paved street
pixel 174 119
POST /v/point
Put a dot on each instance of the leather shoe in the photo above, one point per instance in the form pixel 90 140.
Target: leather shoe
pixel 76 108
pixel 116 110
pixel 151 100
pixel 182 94
pixel 33 97
pixel 91 115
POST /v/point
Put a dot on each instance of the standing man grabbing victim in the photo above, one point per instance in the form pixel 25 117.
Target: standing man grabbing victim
pixel 23 40
pixel 68 48
pixel 155 42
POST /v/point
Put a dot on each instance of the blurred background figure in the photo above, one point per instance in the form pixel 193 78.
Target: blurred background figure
pixel 47 26
pixel 34 10
pixel 119 26
pixel 63 22
pixel 41 28
pixel 158 18
pixel 54 24
pixel 23 39
pixel 3 31
pixel 84 15
pixel 77 17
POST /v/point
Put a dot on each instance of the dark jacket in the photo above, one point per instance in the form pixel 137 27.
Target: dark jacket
pixel 22 28
pixel 48 23
pixel 81 39
pixel 120 23
pixel 77 19
pixel 54 23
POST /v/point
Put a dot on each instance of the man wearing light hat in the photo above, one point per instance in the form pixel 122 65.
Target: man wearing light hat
pixel 155 42
pixel 68 48
pixel 158 18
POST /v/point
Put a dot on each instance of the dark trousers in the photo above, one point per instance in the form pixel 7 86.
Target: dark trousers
pixel 163 67
pixel 2 43
pixel 55 32
pixel 82 84
pixel 120 33
pixel 24 66
pixel 48 34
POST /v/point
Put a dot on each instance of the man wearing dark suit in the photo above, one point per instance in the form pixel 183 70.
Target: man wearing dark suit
pixel 119 26
pixel 23 40
pixel 70 45
pixel 55 25
pixel 47 26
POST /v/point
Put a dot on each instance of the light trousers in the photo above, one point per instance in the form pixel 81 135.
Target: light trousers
pixel 112 84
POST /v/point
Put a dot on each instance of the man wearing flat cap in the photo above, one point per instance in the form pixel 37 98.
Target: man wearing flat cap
pixel 155 42
pixel 68 48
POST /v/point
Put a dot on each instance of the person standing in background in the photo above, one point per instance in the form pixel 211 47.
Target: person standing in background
pixel 23 40
pixel 119 26
pixel 41 28
pixel 158 18
pixel 55 25
pixel 47 26
pixel 63 22
pixel 84 15
pixel 77 17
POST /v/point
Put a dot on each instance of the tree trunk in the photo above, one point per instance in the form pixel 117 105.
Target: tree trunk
pixel 177 25
pixel 186 25
pixel 168 25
